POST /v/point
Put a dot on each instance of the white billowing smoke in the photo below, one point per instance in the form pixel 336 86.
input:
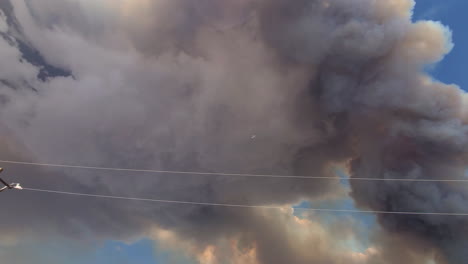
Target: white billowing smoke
pixel 184 85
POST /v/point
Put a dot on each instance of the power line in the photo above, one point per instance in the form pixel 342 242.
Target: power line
pixel 226 174
pixel 245 206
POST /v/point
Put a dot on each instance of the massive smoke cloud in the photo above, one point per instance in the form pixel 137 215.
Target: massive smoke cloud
pixel 183 85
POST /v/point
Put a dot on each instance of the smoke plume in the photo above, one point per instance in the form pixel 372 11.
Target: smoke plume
pixel 184 85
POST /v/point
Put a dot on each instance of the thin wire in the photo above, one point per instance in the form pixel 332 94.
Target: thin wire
pixel 227 174
pixel 241 205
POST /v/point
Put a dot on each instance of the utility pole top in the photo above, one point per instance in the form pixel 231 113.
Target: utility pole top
pixel 9 186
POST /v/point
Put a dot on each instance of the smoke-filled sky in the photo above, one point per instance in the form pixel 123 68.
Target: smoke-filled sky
pixel 331 88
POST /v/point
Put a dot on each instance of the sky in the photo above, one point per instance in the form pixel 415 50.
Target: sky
pixel 452 68
pixel 329 88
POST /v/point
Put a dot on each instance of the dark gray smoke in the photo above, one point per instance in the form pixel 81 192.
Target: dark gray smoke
pixel 187 84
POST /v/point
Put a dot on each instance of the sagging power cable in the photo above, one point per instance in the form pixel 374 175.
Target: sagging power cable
pixel 193 173
pixel 245 206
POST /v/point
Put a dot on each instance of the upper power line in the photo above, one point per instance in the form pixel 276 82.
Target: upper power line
pixel 228 174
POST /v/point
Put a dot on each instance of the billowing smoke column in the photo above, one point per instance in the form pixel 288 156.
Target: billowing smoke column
pixel 397 122
pixel 187 84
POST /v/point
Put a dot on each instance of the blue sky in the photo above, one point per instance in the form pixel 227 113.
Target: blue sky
pixel 121 253
pixel 452 14
pixel 451 70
